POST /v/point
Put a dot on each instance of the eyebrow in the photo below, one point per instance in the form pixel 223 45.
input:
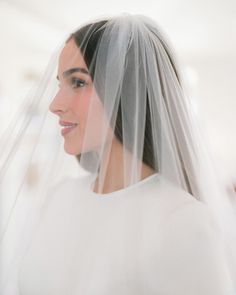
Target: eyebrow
pixel 73 70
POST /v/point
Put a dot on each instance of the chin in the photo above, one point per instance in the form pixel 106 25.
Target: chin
pixel 71 150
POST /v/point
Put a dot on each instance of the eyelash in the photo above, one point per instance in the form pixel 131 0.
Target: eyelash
pixel 76 83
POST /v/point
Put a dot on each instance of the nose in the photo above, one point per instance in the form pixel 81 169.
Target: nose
pixel 58 104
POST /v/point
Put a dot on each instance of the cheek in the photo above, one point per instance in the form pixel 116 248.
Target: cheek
pixel 89 109
pixel 93 118
pixel 80 106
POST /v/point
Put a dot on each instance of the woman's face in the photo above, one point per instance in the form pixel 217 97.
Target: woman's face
pixel 73 102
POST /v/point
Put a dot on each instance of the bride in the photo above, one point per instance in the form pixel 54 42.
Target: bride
pixel 143 218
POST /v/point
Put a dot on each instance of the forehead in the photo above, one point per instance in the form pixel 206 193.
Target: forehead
pixel 71 56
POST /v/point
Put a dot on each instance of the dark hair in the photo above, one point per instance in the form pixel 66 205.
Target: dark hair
pixel 88 46
pixel 87 39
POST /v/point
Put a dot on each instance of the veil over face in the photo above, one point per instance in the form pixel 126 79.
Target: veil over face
pixel 73 99
pixel 124 116
pixel 127 104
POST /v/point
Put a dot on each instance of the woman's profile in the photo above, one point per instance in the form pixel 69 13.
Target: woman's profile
pixel 140 220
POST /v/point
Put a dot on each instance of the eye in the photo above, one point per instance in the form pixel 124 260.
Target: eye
pixel 77 83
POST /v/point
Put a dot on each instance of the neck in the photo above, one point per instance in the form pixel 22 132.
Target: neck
pixel 113 178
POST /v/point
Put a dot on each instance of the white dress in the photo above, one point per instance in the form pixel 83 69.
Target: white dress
pixel 150 238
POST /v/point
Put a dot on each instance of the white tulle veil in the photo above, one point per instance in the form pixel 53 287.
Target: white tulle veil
pixel 131 118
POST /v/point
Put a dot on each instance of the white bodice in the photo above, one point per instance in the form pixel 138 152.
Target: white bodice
pixel 150 238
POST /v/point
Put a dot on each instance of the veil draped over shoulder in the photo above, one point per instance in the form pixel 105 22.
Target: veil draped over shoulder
pixel 124 114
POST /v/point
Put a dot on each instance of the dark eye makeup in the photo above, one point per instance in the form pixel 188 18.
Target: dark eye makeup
pixel 77 83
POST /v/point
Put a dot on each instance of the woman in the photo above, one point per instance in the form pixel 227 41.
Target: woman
pixel 136 223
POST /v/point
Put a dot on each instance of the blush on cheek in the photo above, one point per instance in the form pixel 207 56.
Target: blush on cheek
pixel 97 121
pixel 83 104
pixel 92 119
pixel 90 107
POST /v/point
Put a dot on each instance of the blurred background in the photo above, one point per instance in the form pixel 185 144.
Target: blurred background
pixel 202 32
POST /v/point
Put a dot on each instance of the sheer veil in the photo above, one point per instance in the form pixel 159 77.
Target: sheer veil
pixel 133 120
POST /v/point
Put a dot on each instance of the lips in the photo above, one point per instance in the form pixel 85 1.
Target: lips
pixel 68 126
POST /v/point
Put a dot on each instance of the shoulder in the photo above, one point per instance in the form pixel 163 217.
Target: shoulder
pixel 187 218
pixel 179 211
pixel 190 247
pixel 192 220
